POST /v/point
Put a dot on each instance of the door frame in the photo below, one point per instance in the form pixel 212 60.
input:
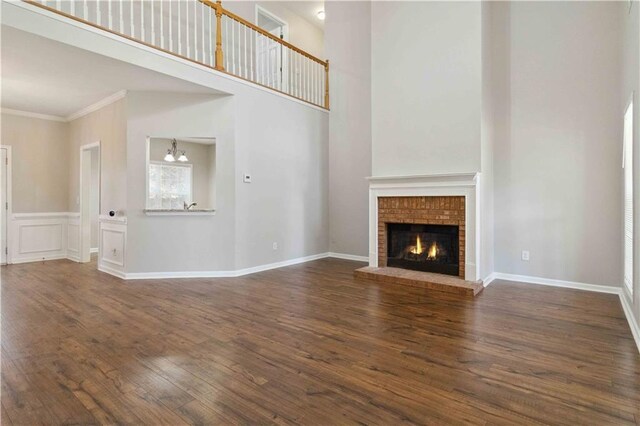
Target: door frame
pixel 83 222
pixel 284 57
pixel 9 210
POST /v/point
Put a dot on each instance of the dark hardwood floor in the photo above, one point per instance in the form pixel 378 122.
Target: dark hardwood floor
pixel 307 344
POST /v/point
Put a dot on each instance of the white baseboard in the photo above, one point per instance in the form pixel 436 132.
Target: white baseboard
pixel 110 271
pixel 93 250
pixel 555 283
pixel 631 319
pixel 38 258
pixel 348 257
pixel 489 279
pixel 222 274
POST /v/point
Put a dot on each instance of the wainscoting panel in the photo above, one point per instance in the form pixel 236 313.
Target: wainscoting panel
pixel 112 245
pixel 38 236
pixel 73 237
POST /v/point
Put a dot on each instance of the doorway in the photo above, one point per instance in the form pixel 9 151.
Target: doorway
pixel 271 56
pixel 5 201
pixel 90 170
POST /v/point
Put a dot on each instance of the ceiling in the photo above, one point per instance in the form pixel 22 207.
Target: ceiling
pixel 307 9
pixel 56 79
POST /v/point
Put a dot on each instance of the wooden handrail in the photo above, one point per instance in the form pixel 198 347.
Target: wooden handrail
pixel 220 9
pixel 305 88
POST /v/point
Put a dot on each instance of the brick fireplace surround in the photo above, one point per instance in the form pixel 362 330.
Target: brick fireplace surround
pixel 423 210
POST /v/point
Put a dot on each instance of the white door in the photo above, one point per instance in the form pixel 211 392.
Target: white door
pixel 4 205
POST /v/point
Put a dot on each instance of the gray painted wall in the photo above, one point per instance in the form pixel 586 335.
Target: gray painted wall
pixel 426 87
pixel 558 173
pixel 348 44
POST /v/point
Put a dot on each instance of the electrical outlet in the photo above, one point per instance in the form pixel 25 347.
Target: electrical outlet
pixel 525 255
pixel 275 246
pixel 246 178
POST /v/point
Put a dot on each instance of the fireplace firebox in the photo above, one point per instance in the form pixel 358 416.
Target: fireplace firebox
pixel 430 248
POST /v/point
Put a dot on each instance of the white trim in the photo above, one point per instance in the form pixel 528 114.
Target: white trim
pixel 93 250
pixel 33 115
pixel 223 274
pixel 96 106
pixel 105 218
pixel 631 319
pixel 9 210
pixel 443 185
pixel 490 278
pixel 17 216
pixel 152 212
pixel 556 283
pixel 110 271
pixel 348 257
pixel 81 224
pixel 43 258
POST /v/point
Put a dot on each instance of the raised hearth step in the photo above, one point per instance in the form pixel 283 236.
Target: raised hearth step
pixel 426 280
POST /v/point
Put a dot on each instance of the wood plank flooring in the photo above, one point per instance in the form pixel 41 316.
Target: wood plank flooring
pixel 307 344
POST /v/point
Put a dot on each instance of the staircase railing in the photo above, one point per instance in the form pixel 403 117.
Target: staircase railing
pixel 206 33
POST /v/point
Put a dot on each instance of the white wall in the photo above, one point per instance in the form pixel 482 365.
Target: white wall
pixel 40 163
pixel 284 145
pixel 107 125
pixel 179 243
pixel 492 82
pixel 557 164
pixel 426 85
pixel 631 83
pixel 348 44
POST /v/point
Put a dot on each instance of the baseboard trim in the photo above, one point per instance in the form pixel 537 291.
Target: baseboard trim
pixel 110 271
pixel 93 250
pixel 556 283
pixel 222 274
pixel 490 278
pixel 631 319
pixel 348 256
pixel 15 261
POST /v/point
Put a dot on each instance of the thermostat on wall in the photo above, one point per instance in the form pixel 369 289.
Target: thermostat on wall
pixel 246 178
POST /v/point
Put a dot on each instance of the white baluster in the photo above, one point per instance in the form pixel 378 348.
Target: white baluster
pixel 131 19
pixel 203 58
pixel 162 24
pixel 110 12
pixel 59 5
pixel 211 43
pixel 246 53
pixel 252 69
pixel 179 29
pixel 98 14
pixel 170 27
pixel 186 31
pixel 121 11
pixel 142 20
pixel 233 47
pixel 85 11
pixel 153 22
pixel 73 7
pixel 195 31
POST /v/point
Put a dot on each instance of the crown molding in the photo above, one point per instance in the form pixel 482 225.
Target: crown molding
pixel 96 106
pixel 33 115
pixel 78 114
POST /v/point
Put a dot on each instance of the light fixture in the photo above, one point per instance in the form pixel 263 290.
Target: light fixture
pixel 171 153
pixel 321 15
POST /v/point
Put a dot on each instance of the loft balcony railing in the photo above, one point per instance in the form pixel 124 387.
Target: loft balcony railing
pixel 205 32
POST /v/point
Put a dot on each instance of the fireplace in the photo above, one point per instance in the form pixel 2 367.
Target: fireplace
pixel 438 223
pixel 423 247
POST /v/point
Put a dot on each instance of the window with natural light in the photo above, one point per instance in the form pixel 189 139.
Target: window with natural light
pixel 628 198
pixel 169 185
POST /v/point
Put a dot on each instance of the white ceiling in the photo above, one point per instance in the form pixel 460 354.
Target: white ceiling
pixel 46 77
pixel 307 9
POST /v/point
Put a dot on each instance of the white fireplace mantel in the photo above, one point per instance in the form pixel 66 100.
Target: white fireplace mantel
pixel 462 184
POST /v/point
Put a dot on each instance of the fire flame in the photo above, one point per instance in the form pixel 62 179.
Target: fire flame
pixel 418 247
pixel 433 251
